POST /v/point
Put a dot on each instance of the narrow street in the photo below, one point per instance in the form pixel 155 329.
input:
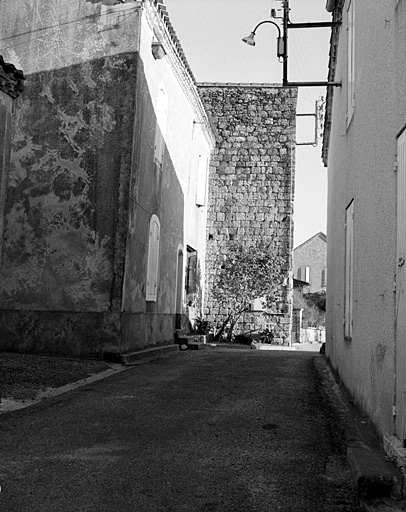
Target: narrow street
pixel 221 430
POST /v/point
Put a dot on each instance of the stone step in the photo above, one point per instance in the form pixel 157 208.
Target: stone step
pixel 138 355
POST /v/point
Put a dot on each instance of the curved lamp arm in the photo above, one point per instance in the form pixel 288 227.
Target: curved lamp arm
pixel 267 21
pixel 250 40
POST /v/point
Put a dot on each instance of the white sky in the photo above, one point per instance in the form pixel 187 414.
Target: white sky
pixel 210 32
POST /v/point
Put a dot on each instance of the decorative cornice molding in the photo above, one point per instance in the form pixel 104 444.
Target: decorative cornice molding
pixel 11 79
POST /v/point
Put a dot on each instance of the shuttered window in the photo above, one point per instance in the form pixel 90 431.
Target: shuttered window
pixel 201 182
pixel 349 270
pixel 160 127
pixel 153 259
pixel 303 274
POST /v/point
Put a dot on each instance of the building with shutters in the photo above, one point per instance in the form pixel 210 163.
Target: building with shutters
pixel 364 149
pixel 104 203
pixel 310 263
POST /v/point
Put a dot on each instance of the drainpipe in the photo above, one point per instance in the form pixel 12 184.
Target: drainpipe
pixel 330 5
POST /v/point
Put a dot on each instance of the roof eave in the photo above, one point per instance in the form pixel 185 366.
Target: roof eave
pixel 332 65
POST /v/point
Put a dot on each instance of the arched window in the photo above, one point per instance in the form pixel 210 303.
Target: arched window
pixel 153 259
pixel 160 127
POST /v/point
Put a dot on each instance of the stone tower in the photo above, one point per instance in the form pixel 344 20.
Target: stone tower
pixel 251 188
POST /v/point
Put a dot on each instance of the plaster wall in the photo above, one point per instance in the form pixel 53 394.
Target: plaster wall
pixel 251 187
pixel 312 254
pixel 361 169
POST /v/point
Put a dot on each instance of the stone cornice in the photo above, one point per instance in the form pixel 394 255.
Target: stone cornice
pixel 11 79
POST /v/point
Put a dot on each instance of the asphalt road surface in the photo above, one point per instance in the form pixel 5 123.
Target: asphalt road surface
pixel 221 430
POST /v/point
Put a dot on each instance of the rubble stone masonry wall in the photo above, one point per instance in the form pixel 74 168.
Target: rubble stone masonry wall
pixel 251 187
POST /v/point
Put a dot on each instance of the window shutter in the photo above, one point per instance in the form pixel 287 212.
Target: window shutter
pixel 160 127
pixel 303 274
pixel 307 274
pixel 323 278
pixel 192 272
pixel 153 259
pixel 201 182
pixel 349 270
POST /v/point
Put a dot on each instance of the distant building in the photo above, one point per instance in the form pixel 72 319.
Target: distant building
pixel 310 263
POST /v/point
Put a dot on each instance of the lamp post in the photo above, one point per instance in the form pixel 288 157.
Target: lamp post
pixel 282 44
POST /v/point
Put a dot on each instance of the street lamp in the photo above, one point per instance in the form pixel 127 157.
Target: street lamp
pixel 280 47
pixel 282 43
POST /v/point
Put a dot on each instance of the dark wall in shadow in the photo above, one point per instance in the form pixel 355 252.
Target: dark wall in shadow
pixel 81 190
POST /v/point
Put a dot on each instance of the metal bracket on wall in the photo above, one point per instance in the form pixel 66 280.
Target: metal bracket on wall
pixel 318 123
pixel 288 25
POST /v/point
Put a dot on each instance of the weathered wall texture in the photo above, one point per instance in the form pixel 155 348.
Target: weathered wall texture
pixel 83 184
pixel 65 185
pixel 11 86
pixel 67 194
pixel 312 254
pixel 251 184
pixel 5 146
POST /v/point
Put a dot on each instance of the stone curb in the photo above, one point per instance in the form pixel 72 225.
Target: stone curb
pixel 377 481
pixel 9 405
pixel 117 366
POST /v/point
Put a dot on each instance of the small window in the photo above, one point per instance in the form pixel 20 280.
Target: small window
pixel 258 304
pixel 349 270
pixel 303 274
pixel 153 259
pixel 160 127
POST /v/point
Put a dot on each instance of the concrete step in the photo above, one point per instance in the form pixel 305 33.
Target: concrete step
pixel 373 475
